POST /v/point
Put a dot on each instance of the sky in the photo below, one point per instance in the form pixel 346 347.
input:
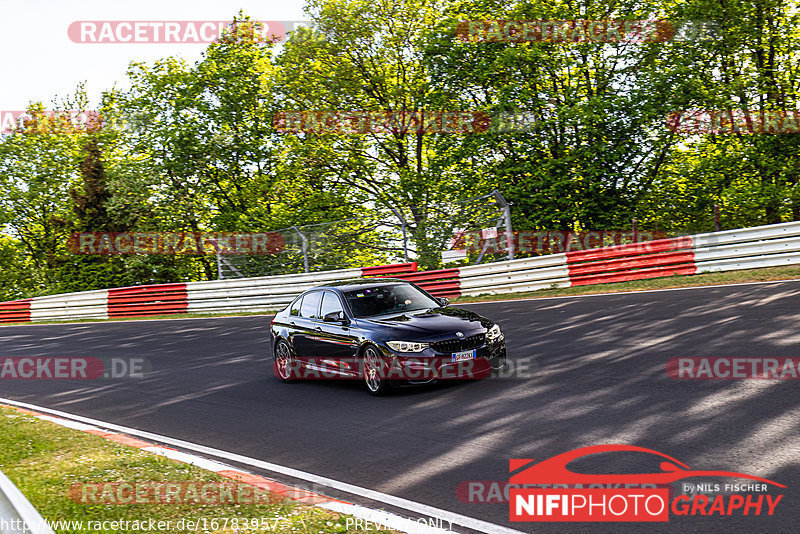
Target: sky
pixel 40 61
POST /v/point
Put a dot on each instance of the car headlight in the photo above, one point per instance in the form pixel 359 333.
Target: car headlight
pixel 407 346
pixel 493 333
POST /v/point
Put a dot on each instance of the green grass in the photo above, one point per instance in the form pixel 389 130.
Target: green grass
pixel 44 459
pixel 696 280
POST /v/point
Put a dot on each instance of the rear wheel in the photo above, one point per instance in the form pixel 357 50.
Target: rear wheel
pixel 284 365
pixel 374 369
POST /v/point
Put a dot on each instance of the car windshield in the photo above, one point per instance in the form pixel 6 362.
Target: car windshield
pixel 387 299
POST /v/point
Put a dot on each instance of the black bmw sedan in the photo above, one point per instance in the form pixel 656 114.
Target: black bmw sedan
pixel 382 331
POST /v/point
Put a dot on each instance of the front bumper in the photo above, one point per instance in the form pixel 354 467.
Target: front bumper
pixel 431 365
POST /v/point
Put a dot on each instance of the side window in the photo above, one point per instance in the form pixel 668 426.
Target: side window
pixel 295 311
pixel 331 304
pixel 310 307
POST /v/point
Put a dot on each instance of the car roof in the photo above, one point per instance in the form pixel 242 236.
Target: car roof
pixel 359 283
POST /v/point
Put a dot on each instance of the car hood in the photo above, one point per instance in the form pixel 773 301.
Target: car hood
pixel 437 323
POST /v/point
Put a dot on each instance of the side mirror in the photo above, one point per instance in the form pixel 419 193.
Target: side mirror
pixel 443 301
pixel 335 317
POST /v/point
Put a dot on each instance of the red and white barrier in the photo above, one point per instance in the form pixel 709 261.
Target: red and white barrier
pixel 747 248
pixel 635 261
pixel 141 301
pixel 16 311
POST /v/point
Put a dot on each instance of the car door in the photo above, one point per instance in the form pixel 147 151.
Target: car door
pixel 291 321
pixel 335 342
pixel 304 324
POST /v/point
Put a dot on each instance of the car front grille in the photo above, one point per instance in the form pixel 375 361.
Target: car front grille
pixel 457 345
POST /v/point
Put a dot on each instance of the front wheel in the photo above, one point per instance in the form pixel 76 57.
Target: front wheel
pixel 283 364
pixel 374 369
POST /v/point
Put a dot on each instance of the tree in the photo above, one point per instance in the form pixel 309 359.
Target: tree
pixel 746 68
pixel 593 139
pixel 38 166
pixel 367 57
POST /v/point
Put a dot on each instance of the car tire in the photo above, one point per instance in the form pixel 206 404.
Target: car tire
pixel 283 363
pixel 372 367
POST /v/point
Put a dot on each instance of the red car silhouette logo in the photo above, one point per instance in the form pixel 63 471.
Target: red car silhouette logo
pixel 554 470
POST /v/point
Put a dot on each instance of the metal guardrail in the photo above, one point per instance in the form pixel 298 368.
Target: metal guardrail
pixel 528 274
pixel 746 248
pixel 83 305
pixel 17 514
pixel 266 293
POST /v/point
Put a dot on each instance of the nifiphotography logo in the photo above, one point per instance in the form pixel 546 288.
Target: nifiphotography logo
pixel 602 497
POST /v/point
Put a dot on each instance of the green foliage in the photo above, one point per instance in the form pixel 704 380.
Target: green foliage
pixel 369 57
pixel 194 148
pixel 17 274
pixel 595 139
pixel 748 67
pixel 38 167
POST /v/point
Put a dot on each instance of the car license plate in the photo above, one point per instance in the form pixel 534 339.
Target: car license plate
pixel 466 355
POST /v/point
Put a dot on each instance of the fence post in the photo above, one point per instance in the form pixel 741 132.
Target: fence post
pixel 716 218
pixel 405 234
pixel 305 247
pixel 507 219
pixel 221 261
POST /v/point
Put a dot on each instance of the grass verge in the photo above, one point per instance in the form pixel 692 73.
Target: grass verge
pixel 44 460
